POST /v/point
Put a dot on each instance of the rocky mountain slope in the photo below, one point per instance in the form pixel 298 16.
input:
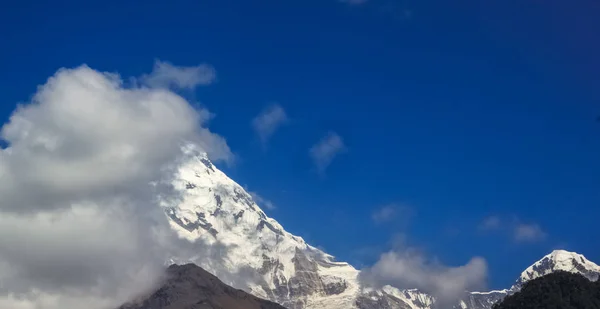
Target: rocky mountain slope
pixel 245 248
pixel 190 287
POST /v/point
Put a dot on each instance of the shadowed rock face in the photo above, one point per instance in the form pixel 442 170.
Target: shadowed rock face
pixel 191 287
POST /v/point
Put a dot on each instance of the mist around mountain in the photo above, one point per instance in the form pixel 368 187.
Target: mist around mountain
pixel 151 195
pixel 191 287
pixel 560 289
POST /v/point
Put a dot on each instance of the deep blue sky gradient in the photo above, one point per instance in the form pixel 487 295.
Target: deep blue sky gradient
pixel 457 109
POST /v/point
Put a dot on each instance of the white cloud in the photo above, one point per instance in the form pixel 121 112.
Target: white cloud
pixel 268 121
pixel 323 152
pixel 491 223
pixel 167 75
pixel 406 268
pixel 528 233
pixel 79 222
pixel 514 228
pixel 261 201
pixel 84 135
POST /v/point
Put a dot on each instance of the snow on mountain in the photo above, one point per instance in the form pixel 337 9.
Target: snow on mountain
pixel 559 260
pixel 555 261
pixel 480 300
pixel 256 253
pixel 245 248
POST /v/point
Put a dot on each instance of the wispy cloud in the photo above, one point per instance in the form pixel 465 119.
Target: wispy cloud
pixel 323 152
pixel 392 212
pixel 528 233
pixel 384 214
pixel 490 223
pixel 167 75
pixel 261 201
pixel 513 228
pixel 405 267
pixel 268 121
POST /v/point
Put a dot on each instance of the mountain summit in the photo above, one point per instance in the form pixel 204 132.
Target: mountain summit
pixel 237 242
pixel 557 260
pixel 245 248
pixel 560 260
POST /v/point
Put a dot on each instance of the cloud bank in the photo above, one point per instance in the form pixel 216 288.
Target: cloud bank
pixel 408 269
pixel 80 224
pixel 324 151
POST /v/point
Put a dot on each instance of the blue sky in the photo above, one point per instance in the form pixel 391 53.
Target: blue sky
pixel 472 124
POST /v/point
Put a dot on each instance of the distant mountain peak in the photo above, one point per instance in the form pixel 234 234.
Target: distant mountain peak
pixel 572 262
pixel 247 249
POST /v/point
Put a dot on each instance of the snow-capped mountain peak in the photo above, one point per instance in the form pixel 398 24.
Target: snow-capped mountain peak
pixel 560 260
pixel 233 238
pixel 245 248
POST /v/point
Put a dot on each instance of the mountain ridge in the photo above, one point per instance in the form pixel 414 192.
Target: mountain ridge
pixel 191 287
pixel 253 252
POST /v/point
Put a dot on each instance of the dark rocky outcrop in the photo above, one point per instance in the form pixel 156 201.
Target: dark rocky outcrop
pixel 192 226
pixel 191 287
